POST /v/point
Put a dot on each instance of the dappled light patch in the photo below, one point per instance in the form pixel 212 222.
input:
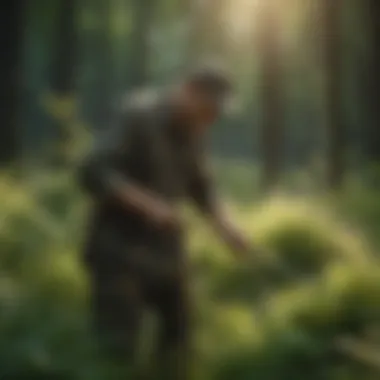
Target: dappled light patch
pixel 306 236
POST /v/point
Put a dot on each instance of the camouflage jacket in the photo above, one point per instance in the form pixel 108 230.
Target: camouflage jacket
pixel 149 149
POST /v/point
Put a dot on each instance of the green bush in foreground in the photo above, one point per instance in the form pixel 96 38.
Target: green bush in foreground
pixel 303 325
pixel 276 318
pixel 296 241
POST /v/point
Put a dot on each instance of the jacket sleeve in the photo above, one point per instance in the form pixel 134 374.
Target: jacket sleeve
pixel 100 172
pixel 201 189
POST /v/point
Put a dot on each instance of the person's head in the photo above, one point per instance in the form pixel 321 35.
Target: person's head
pixel 204 93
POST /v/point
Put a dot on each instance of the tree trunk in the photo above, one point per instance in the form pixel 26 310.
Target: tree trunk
pixel 206 30
pixel 65 59
pixel 272 108
pixel 372 83
pixel 63 80
pixel 143 11
pixel 196 31
pixel 11 51
pixel 333 98
pixel 104 65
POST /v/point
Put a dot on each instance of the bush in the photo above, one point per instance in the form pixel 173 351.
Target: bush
pixel 300 328
pixel 274 318
pixel 297 240
pixel 306 237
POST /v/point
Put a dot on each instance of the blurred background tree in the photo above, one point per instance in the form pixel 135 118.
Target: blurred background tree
pixel 334 69
pixel 371 80
pixel 13 22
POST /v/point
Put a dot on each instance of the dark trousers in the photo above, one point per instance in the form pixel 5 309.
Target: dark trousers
pixel 121 290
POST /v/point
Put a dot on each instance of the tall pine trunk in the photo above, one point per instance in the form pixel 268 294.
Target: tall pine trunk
pixel 63 79
pixel 65 59
pixel 333 94
pixel 143 11
pixel 196 31
pixel 372 83
pixel 271 89
pixel 104 65
pixel 10 84
pixel 206 30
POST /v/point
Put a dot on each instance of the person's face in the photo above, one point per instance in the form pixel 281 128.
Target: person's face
pixel 203 109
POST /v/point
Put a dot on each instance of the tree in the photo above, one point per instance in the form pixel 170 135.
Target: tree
pixel 103 55
pixel 334 112
pixel 206 33
pixel 372 82
pixel 66 48
pixel 143 11
pixel 11 78
pixel 63 76
pixel 270 90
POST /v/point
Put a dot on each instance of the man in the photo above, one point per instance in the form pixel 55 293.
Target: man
pixel 135 254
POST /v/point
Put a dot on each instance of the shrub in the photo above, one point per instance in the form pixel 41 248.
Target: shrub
pixel 306 236
pixel 296 241
pixel 301 326
pixel 318 282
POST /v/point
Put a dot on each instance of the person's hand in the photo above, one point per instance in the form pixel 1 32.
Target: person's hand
pixel 154 209
pixel 237 243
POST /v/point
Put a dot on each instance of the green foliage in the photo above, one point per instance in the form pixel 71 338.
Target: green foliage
pixel 276 316
pixel 299 240
pixel 306 236
pixel 360 203
pixel 302 326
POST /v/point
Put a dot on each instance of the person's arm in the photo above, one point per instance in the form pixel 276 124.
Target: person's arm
pixel 202 192
pixel 101 177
